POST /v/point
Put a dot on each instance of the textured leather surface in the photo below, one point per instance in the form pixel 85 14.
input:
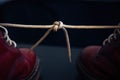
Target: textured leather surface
pixel 16 64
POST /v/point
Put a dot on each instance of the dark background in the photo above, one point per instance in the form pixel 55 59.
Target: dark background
pixel 72 12
pixel 54 61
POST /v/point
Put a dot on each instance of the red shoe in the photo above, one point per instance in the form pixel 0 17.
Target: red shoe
pixel 101 62
pixel 16 64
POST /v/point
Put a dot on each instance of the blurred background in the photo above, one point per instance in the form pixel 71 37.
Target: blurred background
pixel 71 12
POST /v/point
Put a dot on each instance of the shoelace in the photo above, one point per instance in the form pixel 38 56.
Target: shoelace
pixel 59 25
pixel 7 38
pixel 111 36
pixel 56 26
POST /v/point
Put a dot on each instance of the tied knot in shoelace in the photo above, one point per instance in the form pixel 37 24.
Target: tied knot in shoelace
pixel 57 25
pixel 7 38
pixel 112 36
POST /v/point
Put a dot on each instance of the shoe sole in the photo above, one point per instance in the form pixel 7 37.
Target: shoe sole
pixel 35 75
pixel 83 73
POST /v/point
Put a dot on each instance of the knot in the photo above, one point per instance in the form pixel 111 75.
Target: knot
pixel 57 25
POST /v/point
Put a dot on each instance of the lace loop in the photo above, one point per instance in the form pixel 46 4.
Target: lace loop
pixel 111 36
pixel 5 36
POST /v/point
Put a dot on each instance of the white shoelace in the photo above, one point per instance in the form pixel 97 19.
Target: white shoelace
pixel 111 36
pixel 6 36
pixel 56 26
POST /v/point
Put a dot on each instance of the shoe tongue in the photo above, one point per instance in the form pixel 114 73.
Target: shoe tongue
pixel 2 42
pixel 1 34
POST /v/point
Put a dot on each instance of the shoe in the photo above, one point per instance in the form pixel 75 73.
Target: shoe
pixel 101 62
pixel 16 64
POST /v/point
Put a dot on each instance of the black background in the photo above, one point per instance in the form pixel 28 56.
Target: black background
pixel 72 12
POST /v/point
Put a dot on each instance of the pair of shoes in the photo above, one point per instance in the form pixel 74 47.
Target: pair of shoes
pixel 95 62
pixel 101 62
pixel 16 64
